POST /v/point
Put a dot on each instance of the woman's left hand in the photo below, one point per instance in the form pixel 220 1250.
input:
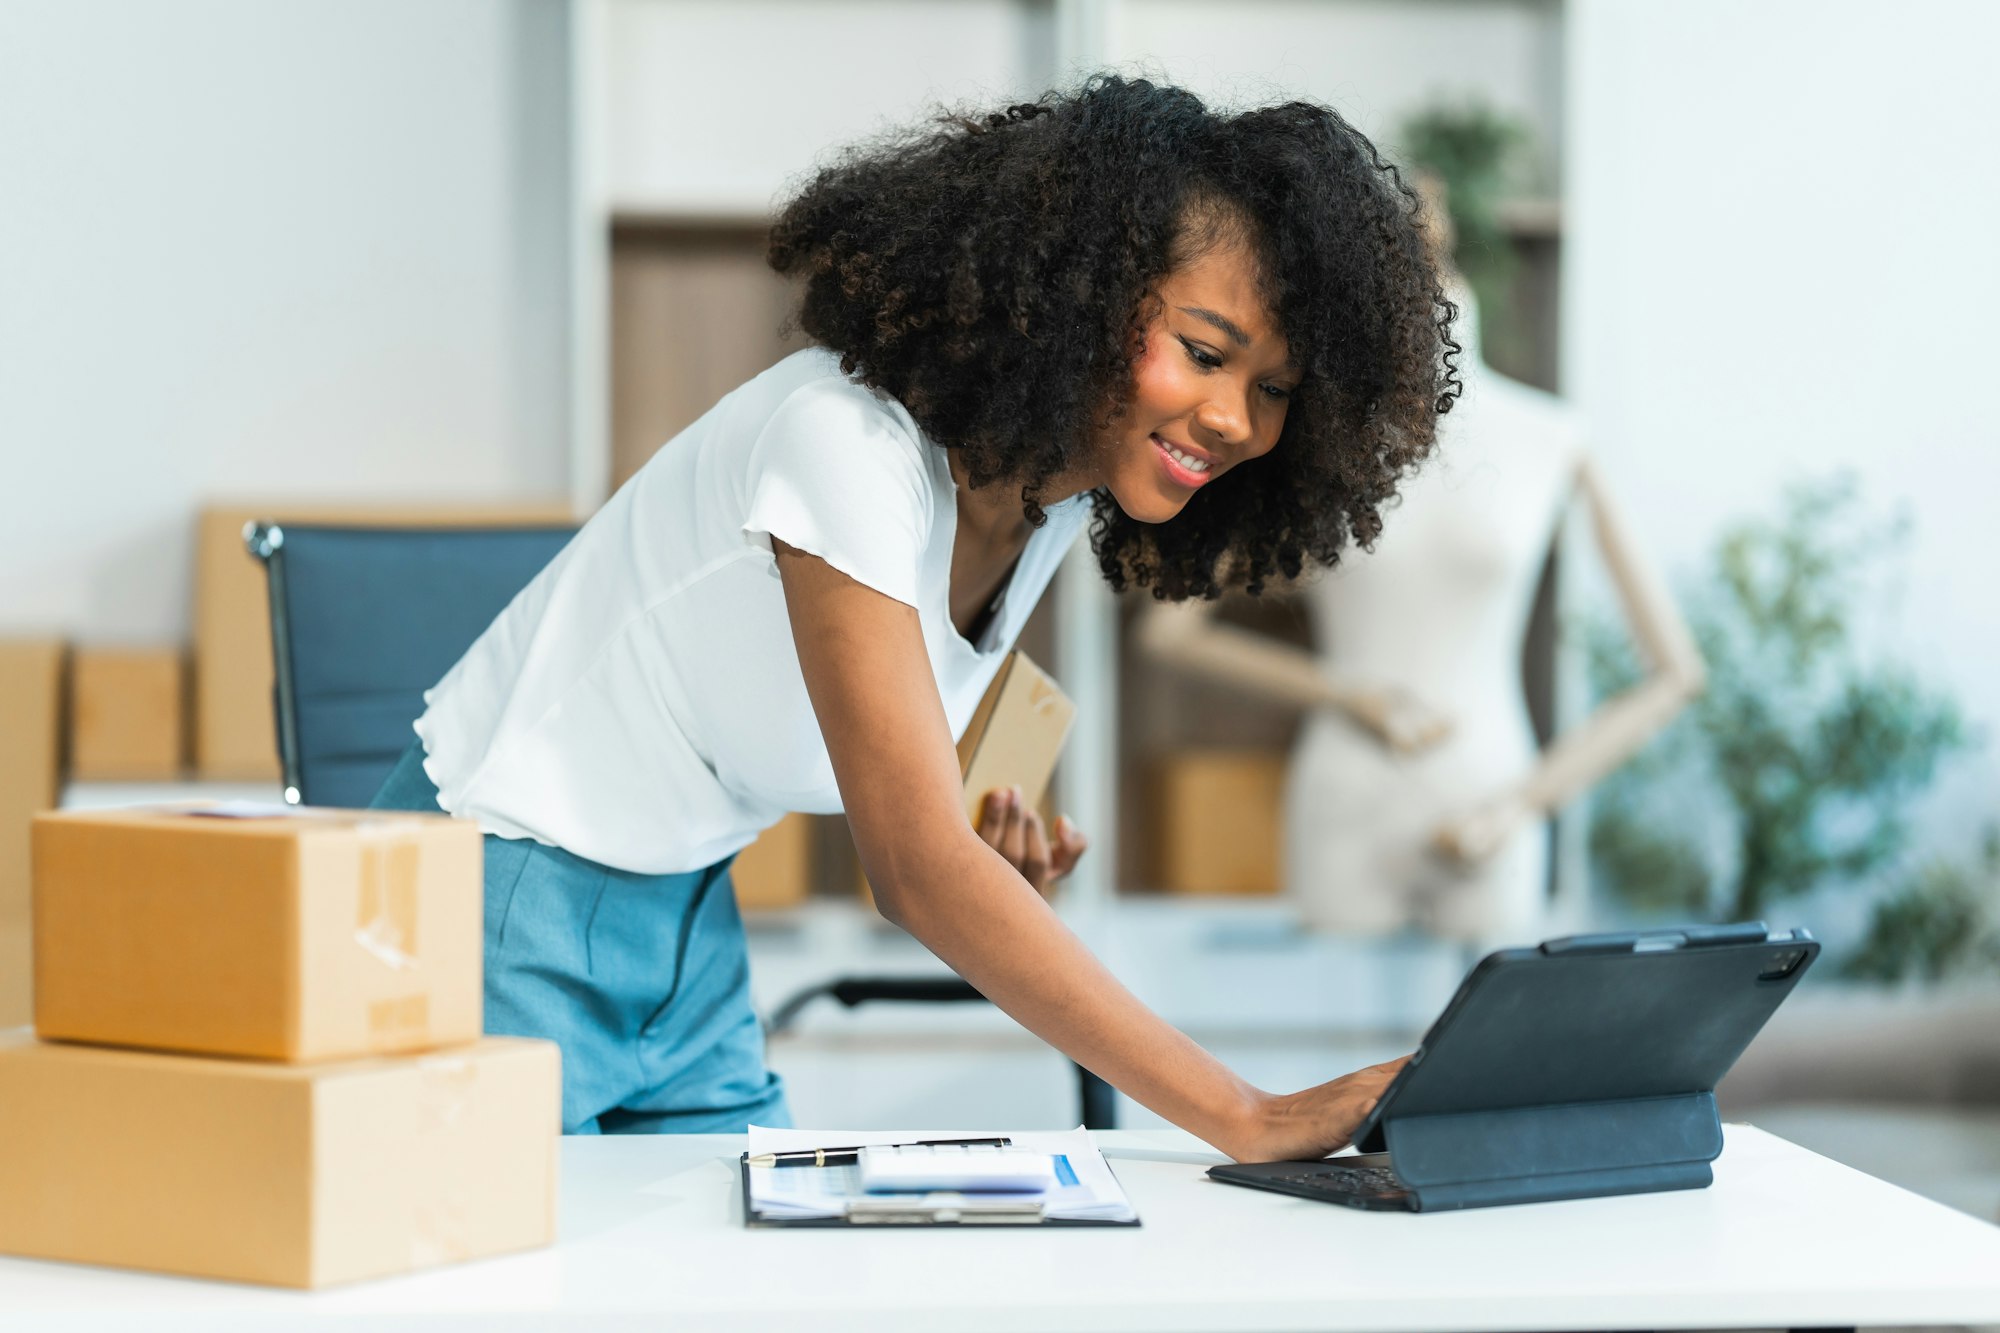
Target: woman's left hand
pixel 1013 828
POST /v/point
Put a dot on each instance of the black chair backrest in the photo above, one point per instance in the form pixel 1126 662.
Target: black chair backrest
pixel 363 621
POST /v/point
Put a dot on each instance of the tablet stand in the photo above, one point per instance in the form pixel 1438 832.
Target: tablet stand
pixel 1530 1154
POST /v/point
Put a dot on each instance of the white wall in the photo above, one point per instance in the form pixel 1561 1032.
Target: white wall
pixel 689 133
pixel 1781 224
pixel 1377 62
pixel 712 107
pixel 308 249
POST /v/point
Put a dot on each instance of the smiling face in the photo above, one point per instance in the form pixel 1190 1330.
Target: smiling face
pixel 1210 388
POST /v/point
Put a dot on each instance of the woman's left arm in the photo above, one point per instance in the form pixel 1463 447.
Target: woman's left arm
pixel 1623 723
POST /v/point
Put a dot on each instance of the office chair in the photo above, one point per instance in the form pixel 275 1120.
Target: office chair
pixel 364 620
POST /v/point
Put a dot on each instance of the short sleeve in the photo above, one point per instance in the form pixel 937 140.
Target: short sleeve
pixel 841 475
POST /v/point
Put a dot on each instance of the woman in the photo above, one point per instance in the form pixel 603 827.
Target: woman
pixel 1216 338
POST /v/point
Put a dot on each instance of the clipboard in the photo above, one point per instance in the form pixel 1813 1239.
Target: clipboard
pixel 1092 1187
pixel 928 1210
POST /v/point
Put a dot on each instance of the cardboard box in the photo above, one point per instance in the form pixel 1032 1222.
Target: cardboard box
pixel 127 714
pixel 1015 735
pixel 17 992
pixel 776 870
pixel 1216 822
pixel 235 737
pixel 31 674
pixel 309 935
pixel 1014 739
pixel 302 1176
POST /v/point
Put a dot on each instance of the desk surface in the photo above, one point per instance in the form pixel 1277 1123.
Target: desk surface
pixel 652 1238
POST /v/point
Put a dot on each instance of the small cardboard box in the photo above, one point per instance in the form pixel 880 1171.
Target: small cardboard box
pixel 127 714
pixel 31 673
pixel 1216 822
pixel 1014 739
pixel 234 735
pixel 302 1176
pixel 776 870
pixel 306 935
pixel 1015 735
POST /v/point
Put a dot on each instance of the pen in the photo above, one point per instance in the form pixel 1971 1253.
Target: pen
pixel 852 1152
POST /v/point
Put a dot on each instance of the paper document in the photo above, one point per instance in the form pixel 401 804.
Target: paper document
pixel 984 1168
pixel 1086 1189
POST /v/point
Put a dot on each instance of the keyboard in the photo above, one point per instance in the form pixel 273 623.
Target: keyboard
pixel 1373 1186
pixel 1348 1180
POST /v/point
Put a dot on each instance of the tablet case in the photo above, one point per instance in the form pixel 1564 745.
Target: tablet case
pixel 1586 1066
pixel 1533 1154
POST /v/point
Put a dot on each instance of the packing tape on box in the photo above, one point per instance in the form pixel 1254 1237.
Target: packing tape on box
pixel 386 901
pixel 386 922
pixel 390 863
pixel 440 1233
pixel 387 919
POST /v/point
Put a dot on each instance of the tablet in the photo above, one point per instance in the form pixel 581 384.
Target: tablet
pixel 1583 1067
pixel 1594 1018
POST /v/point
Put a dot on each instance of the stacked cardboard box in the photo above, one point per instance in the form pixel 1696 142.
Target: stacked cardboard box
pixel 31 674
pixel 260 1052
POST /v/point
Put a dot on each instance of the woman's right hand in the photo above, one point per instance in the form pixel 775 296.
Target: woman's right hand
pixel 1013 828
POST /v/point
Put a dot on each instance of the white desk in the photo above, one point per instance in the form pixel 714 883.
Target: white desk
pixel 651 1238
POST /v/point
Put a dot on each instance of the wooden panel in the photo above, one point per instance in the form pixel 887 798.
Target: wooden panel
pixel 695 311
pixel 127 714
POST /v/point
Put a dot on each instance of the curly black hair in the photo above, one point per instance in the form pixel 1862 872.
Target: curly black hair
pixel 995 274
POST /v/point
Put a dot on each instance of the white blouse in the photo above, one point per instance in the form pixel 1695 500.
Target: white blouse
pixel 640 702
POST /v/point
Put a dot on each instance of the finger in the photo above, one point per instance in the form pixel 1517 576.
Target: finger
pixel 1352 1118
pixel 1035 864
pixel 1070 845
pixel 993 817
pixel 1379 1077
pixel 1014 838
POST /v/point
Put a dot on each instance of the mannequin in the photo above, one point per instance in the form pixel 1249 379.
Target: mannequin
pixel 1415 797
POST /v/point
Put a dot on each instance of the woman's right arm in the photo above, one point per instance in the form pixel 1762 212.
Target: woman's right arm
pixel 869 678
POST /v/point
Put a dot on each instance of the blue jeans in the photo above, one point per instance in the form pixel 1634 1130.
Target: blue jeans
pixel 643 980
